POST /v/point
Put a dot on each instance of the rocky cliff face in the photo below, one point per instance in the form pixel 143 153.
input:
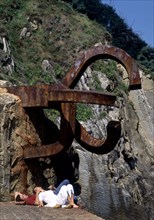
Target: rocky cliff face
pixel 16 132
pixel 118 185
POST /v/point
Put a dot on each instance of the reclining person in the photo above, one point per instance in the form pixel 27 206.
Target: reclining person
pixel 23 199
pixel 65 197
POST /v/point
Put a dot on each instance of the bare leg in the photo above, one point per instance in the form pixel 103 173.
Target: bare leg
pixel 71 201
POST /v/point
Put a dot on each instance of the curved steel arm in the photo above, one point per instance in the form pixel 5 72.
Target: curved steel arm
pixel 103 52
pixel 96 145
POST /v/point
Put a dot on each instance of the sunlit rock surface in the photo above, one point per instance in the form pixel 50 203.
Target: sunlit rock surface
pixel 118 185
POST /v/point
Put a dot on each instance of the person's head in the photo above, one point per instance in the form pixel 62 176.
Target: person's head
pixel 20 198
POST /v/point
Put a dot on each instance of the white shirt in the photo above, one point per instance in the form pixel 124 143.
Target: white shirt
pixel 48 197
pixel 61 199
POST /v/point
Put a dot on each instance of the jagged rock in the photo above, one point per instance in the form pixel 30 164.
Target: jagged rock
pixel 23 33
pixel 6 61
pixel 113 185
pixel 122 181
pixel 46 66
pixel 4 83
pixel 16 132
pixel 34 21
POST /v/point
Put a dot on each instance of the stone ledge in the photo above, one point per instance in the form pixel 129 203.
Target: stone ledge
pixel 10 211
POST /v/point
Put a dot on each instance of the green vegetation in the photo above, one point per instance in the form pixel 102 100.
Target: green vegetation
pixel 102 115
pixel 106 66
pixel 52 114
pixel 146 59
pixel 84 112
pixel 57 31
pixel 96 84
pixel 122 35
pixel 54 32
pixel 61 33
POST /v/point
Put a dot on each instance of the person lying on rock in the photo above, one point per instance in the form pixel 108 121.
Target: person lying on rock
pixel 64 199
pixel 23 199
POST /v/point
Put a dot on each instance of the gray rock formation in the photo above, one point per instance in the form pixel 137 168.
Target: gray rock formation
pixel 16 132
pixel 118 185
pixel 6 60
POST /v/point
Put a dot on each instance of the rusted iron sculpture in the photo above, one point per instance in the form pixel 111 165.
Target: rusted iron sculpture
pixel 63 97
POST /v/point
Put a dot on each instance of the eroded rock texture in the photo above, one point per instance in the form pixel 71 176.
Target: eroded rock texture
pixel 21 128
pixel 16 132
pixel 118 185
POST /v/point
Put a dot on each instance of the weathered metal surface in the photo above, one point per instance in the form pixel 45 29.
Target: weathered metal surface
pixel 63 98
pixel 96 145
pixel 103 52
pixel 33 96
